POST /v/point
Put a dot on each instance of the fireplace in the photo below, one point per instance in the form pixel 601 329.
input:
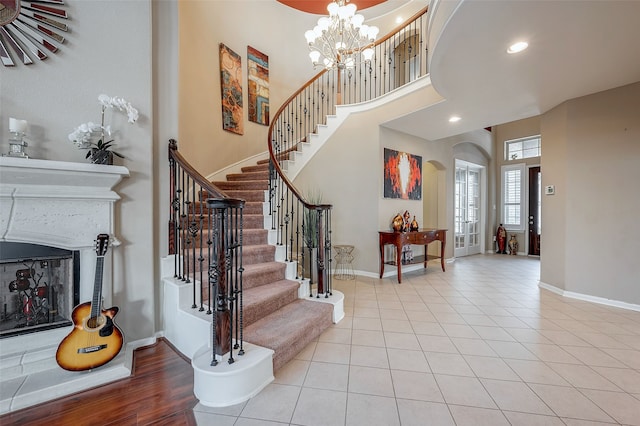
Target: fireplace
pixel 39 286
pixel 52 212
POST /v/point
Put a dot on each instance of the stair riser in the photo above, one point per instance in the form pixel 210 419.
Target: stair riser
pixel 252 279
pixel 260 167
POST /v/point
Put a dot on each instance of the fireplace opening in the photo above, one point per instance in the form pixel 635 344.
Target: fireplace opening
pixel 39 287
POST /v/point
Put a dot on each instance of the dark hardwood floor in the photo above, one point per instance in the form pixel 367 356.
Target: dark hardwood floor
pixel 159 392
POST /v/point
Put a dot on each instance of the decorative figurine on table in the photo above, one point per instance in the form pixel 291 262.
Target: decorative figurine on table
pixel 407 221
pixel 397 223
pixel 513 245
pixel 414 225
pixel 501 239
pixel 407 254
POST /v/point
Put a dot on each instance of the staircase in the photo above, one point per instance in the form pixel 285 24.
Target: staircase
pixel 274 315
pixel 279 318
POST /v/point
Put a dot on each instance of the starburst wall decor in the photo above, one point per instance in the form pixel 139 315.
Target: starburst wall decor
pixel 30 30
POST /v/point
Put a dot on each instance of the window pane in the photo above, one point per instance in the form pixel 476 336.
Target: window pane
pixel 512 195
pixel 522 148
pixel 512 215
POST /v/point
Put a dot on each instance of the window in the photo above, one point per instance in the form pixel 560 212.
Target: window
pixel 517 149
pixel 512 193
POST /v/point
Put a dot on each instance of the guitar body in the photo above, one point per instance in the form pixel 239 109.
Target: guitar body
pixel 95 338
pixel 92 342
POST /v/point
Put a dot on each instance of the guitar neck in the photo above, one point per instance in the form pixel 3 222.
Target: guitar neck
pixel 96 305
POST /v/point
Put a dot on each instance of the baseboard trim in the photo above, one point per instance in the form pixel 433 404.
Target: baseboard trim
pixel 589 298
pixel 392 271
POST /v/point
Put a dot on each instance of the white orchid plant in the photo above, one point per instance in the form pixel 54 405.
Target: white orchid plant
pixel 85 134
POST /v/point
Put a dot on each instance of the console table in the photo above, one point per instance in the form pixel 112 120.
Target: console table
pixel 420 237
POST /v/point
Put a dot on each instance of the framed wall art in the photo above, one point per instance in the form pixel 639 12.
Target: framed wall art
pixel 258 84
pixel 402 175
pixel 231 90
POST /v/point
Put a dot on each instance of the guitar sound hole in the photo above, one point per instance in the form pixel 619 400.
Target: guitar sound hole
pixel 95 322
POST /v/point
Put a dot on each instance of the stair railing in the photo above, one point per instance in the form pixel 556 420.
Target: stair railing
pixel 205 237
pixel 304 227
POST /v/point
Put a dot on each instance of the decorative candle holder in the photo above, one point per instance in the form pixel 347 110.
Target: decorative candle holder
pixel 17 145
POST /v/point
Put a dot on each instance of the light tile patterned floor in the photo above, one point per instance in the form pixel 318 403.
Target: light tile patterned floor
pixel 480 344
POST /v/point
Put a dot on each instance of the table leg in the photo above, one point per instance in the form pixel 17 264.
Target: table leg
pixel 381 259
pixel 399 262
pixel 425 256
pixel 444 242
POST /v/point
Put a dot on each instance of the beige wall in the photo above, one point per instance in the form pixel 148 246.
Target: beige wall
pixel 554 207
pixel 267 25
pixel 596 170
pixel 354 185
pixel 108 51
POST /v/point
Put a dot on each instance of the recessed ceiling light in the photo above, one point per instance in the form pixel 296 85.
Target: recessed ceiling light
pixel 454 119
pixel 399 20
pixel 517 47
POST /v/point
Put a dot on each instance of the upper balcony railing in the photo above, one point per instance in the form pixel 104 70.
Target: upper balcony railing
pixel 304 225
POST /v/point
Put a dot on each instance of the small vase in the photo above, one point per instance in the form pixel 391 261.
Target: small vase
pixel 99 156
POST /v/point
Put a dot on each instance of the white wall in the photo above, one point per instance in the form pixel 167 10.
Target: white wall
pixel 108 51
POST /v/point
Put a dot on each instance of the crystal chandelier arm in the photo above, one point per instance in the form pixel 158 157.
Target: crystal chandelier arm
pixel 341 38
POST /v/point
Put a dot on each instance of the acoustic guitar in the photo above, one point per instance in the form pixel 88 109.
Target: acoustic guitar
pixel 95 338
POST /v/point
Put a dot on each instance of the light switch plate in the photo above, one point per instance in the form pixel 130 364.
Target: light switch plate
pixel 549 189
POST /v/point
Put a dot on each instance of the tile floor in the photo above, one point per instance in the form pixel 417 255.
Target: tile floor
pixel 480 344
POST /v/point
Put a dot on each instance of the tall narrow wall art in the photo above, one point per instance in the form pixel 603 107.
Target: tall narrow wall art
pixel 402 175
pixel 231 90
pixel 258 83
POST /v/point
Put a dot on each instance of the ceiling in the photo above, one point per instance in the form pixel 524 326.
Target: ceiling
pixel 576 48
pixel 319 7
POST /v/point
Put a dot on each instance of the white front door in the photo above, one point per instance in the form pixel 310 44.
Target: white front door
pixel 467 236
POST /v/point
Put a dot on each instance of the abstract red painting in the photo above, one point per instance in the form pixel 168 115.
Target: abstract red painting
pixel 402 175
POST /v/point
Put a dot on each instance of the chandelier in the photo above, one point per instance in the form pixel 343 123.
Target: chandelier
pixel 341 40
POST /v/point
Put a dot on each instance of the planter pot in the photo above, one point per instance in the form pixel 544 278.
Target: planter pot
pixel 99 156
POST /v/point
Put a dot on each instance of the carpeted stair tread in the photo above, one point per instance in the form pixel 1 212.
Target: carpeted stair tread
pixel 251 254
pixel 242 185
pixel 200 207
pixel 258 274
pixel 250 237
pixel 247 195
pixel 258 175
pixel 290 329
pixel 261 301
pixel 260 166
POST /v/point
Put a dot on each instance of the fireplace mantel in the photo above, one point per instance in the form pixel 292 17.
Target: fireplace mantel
pixel 56 203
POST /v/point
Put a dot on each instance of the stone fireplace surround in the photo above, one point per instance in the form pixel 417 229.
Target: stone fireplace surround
pixel 65 205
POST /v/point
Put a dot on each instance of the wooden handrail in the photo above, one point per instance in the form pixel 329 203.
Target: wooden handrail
pixel 212 190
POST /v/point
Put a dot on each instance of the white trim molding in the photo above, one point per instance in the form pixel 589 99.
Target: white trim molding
pixel 589 298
